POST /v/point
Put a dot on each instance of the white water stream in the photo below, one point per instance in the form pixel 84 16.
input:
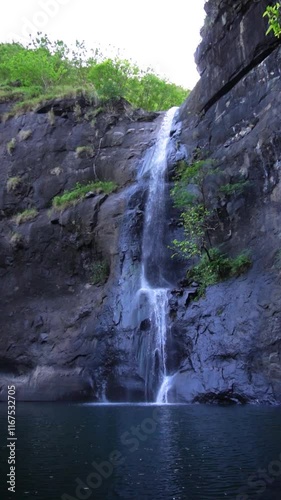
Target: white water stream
pixel 153 285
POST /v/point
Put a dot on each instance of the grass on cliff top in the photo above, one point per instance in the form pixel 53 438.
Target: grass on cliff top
pixel 76 194
pixel 30 99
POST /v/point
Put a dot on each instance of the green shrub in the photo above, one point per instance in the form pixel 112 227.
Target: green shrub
pixel 273 14
pixel 100 272
pixel 196 217
pixel 26 216
pixel 84 152
pixel 11 146
pixel 16 239
pixel 13 183
pixel 76 194
pixel 44 70
pixel 24 135
pixel 277 260
pixel 235 188
pixel 209 272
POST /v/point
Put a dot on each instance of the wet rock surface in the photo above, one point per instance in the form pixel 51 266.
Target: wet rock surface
pixel 63 337
pixel 233 335
pixel 52 344
pixel 229 342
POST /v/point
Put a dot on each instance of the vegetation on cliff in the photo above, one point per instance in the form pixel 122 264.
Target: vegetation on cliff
pixel 273 14
pixel 200 220
pixel 76 194
pixel 48 69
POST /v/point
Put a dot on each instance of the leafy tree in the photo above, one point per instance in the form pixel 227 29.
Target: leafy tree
pixel 190 194
pixel 45 67
pixel 197 218
pixel 111 78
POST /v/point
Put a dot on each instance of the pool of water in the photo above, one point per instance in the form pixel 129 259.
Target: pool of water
pixel 80 452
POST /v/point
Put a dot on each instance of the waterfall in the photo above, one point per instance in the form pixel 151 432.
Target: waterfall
pixel 152 296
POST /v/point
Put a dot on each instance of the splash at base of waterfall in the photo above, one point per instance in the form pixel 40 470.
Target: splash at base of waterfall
pixel 162 396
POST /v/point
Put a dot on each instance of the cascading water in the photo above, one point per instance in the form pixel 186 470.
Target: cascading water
pixel 152 295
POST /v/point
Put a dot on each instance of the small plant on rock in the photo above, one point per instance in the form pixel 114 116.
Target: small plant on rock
pixel 84 152
pixel 26 216
pixel 51 117
pixel 16 240
pixel 273 14
pixel 235 188
pixel 24 135
pixel 220 267
pixel 100 272
pixel 11 146
pixel 79 192
pixel 13 183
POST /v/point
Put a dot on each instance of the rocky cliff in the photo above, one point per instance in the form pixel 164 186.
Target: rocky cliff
pixel 233 337
pixel 63 337
pixel 50 344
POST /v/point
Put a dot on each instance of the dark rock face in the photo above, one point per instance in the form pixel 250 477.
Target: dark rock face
pixel 230 343
pixel 232 338
pixel 52 344
pixel 64 338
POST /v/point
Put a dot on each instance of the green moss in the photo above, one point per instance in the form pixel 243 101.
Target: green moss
pixel 16 239
pixel 26 216
pixel 75 195
pixel 24 135
pixel 277 260
pixel 235 188
pixel 100 272
pixel 11 146
pixel 13 183
pixel 84 151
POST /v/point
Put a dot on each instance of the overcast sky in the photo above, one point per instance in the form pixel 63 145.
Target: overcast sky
pixel 160 33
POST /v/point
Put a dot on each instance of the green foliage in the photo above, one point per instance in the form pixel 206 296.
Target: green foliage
pixel 78 193
pixel 13 183
pixel 277 260
pixel 197 220
pixel 16 239
pixel 11 146
pixel 84 151
pixel 196 217
pixel 51 117
pixel 195 223
pixel 209 272
pixel 273 14
pixel 100 272
pixel 26 216
pixel 46 69
pixel 186 174
pixel 235 188
pixel 111 77
pixel 23 135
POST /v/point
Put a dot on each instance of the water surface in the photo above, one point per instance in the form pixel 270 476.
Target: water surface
pixel 165 452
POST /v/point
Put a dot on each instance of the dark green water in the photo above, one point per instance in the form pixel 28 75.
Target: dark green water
pixel 181 452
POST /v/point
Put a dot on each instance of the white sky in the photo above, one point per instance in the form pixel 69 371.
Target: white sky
pixel 159 33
